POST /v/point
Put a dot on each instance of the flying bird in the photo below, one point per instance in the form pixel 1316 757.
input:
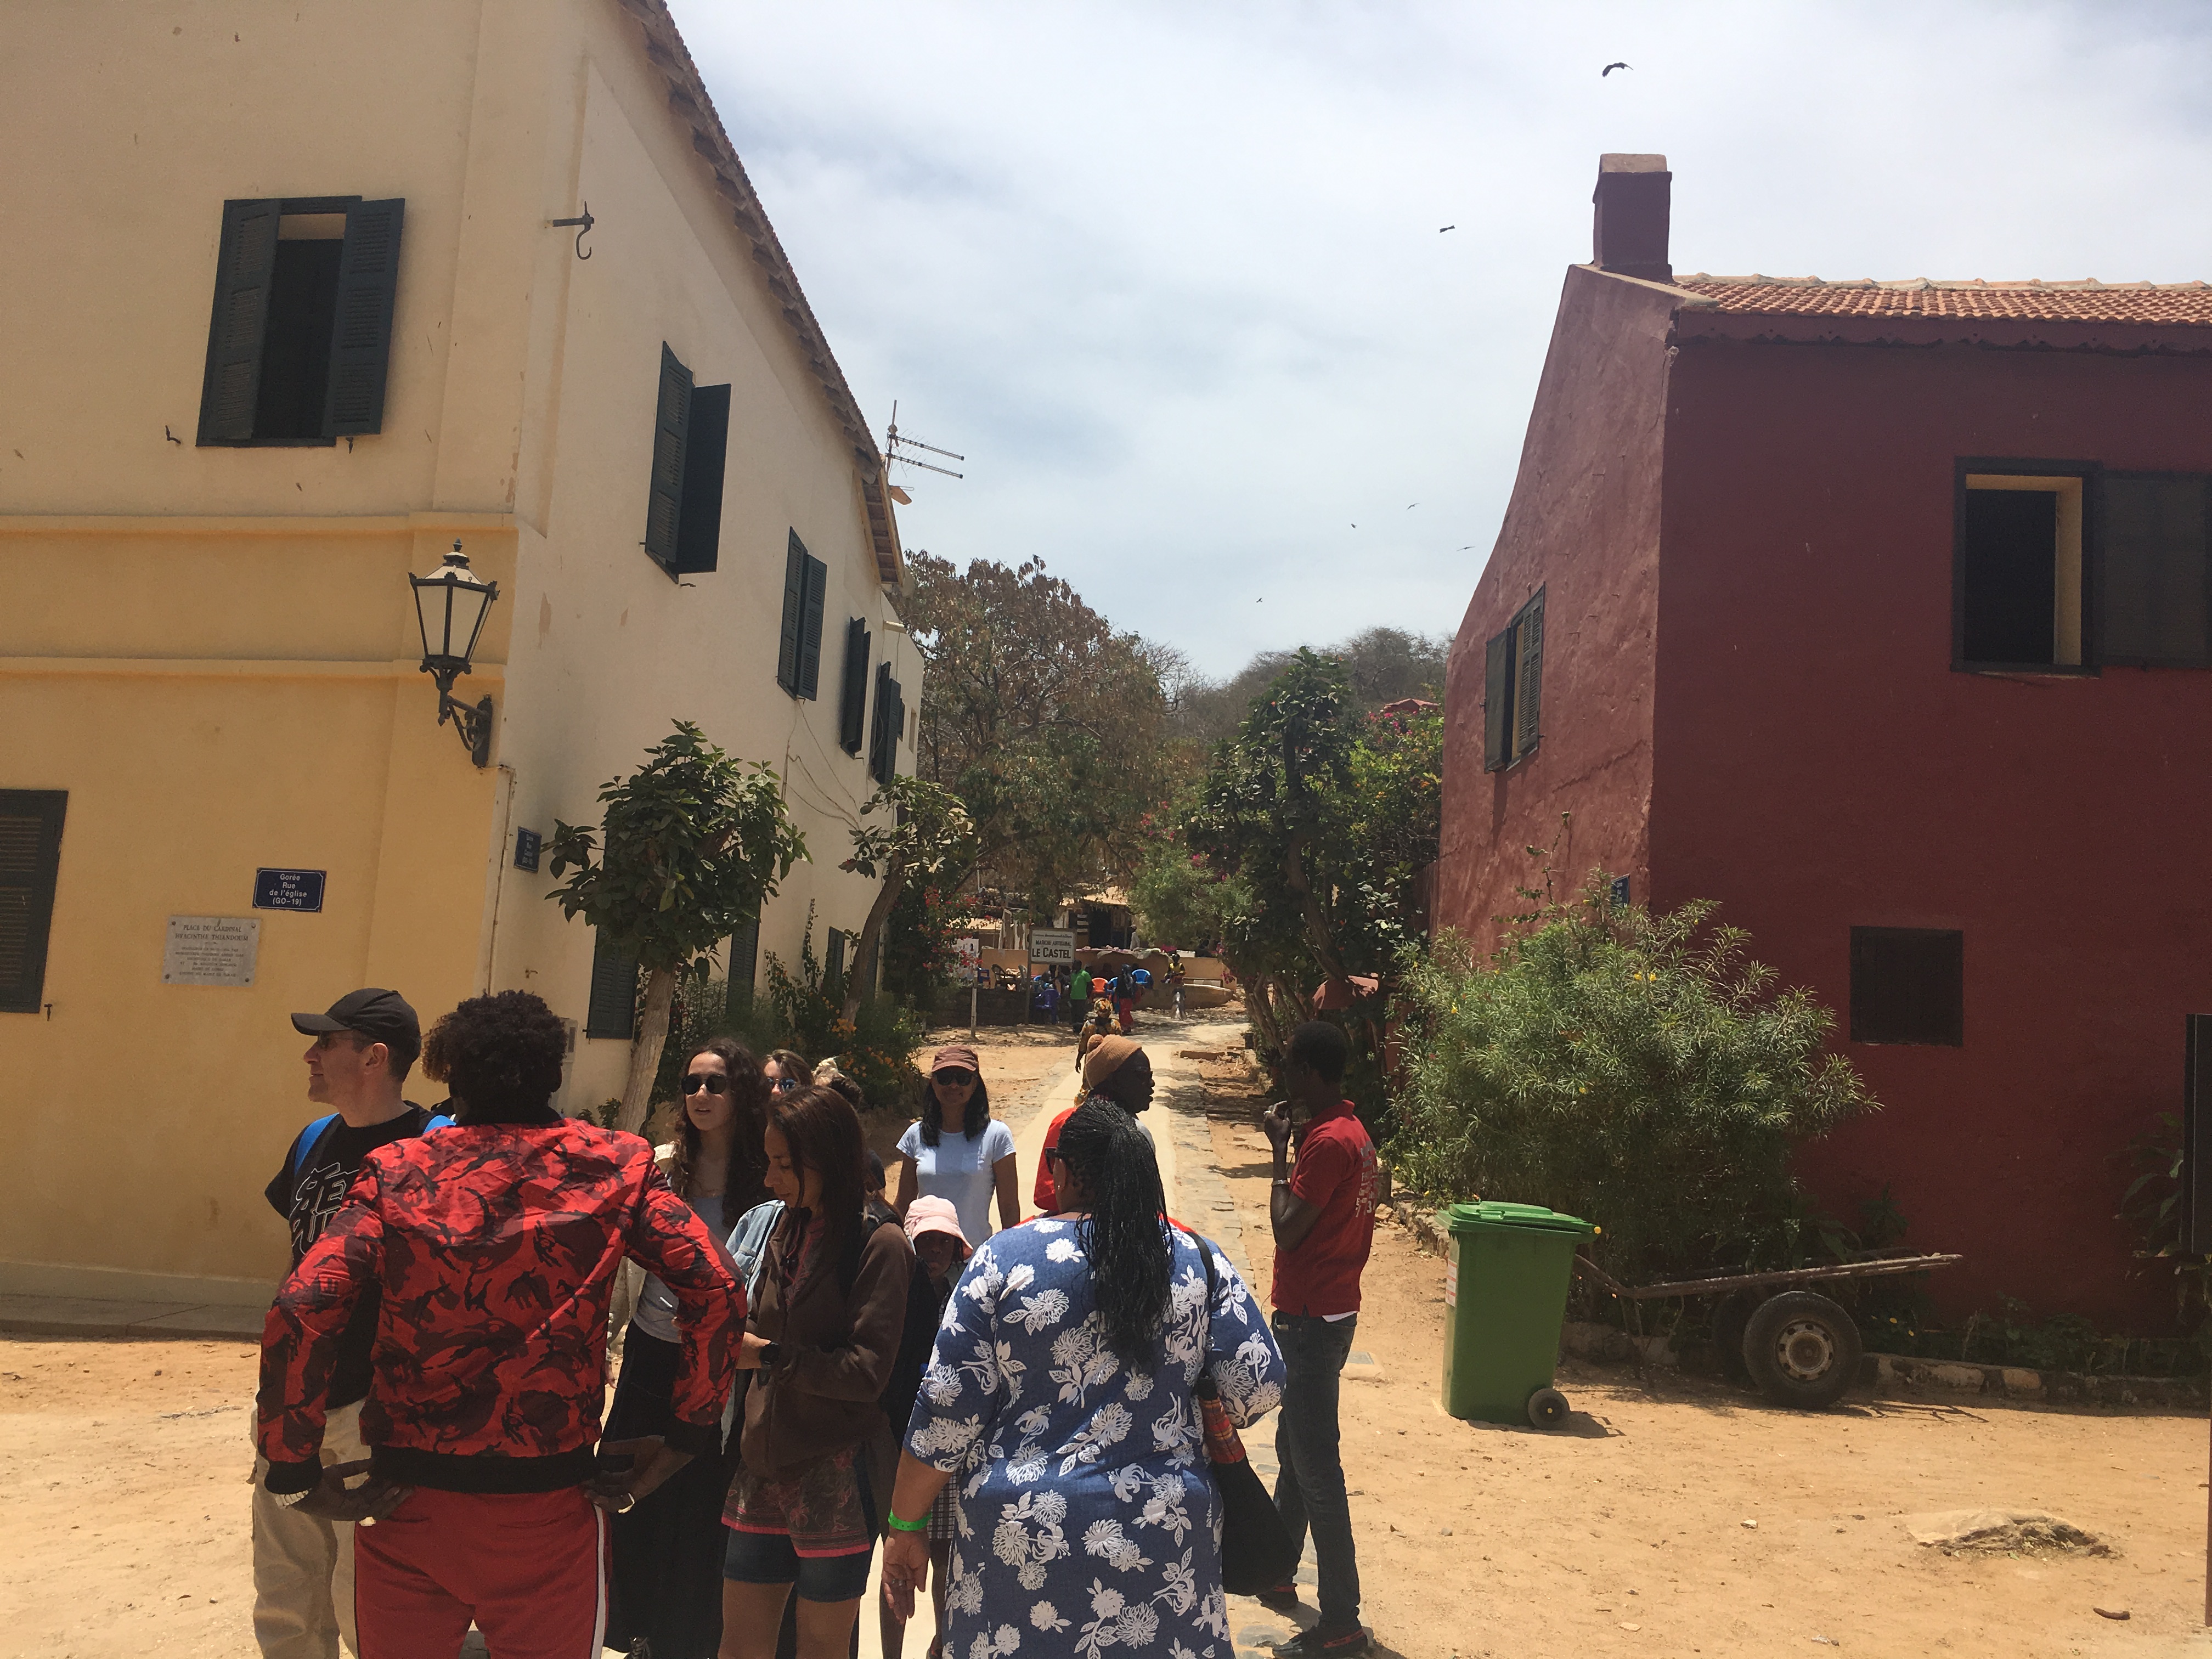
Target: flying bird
pixel 1409 506
pixel 1440 230
pixel 1609 69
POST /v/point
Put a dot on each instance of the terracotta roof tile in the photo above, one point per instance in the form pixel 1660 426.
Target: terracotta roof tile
pixel 2088 301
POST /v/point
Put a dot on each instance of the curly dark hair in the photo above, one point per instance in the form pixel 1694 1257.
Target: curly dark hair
pixel 932 1112
pixel 749 1094
pixel 501 1056
pixel 1124 1234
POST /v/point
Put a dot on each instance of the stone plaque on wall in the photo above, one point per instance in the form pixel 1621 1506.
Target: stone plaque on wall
pixel 210 950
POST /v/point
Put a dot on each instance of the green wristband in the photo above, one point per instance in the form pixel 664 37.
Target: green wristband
pixel 898 1525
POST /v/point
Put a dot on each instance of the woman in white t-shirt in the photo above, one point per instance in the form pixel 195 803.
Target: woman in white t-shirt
pixel 959 1151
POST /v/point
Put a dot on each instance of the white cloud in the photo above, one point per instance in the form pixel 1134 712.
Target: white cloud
pixel 1170 276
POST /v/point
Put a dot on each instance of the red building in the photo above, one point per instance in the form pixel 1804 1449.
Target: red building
pixel 1878 612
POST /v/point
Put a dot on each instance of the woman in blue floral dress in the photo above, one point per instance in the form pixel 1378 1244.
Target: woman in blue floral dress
pixel 1059 1398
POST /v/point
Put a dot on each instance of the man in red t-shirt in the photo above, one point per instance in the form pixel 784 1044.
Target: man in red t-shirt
pixel 1324 1214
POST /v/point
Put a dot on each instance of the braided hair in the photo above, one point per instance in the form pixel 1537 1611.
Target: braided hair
pixel 749 1092
pixel 1125 1235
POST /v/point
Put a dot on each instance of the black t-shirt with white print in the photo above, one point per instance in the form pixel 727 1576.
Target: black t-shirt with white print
pixel 308 1198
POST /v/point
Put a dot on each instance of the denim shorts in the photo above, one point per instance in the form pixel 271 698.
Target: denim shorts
pixel 767 1557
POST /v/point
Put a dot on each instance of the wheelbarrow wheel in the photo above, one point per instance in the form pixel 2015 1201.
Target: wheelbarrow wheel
pixel 1801 1350
pixel 1547 1408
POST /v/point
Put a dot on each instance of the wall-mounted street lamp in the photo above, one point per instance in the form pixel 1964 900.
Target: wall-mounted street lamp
pixel 450 606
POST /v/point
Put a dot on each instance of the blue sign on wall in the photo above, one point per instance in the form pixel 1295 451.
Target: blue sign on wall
pixel 287 889
pixel 527 843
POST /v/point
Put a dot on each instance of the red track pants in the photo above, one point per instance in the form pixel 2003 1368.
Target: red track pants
pixel 530 1568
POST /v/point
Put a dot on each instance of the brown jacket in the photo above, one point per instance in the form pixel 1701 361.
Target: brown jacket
pixel 837 1348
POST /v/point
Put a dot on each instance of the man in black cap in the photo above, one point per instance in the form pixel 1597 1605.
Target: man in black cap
pixel 362 1050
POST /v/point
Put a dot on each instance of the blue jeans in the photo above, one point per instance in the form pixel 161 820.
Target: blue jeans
pixel 1309 1490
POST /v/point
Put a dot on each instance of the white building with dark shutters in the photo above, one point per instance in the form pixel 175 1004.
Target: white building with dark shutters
pixel 304 322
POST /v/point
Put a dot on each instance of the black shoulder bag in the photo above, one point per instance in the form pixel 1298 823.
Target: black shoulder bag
pixel 1256 1553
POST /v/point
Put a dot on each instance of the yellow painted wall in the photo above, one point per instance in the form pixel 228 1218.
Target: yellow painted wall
pixel 213 650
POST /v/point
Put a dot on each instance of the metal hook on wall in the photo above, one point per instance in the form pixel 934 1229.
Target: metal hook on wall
pixel 586 222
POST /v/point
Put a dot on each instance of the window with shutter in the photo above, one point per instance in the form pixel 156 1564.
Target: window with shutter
pixel 30 863
pixel 301 338
pixel 245 271
pixel 2019 559
pixel 745 957
pixel 852 699
pixel 1527 675
pixel 613 1010
pixel 706 449
pixel 2155 560
pixel 361 333
pixel 671 425
pixel 794 612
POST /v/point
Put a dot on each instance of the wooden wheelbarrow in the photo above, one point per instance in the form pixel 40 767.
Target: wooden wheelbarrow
pixel 1799 1347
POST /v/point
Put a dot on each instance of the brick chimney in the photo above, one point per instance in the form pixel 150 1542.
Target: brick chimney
pixel 1631 196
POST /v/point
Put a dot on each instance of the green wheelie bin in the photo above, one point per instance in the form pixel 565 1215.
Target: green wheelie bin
pixel 1505 1296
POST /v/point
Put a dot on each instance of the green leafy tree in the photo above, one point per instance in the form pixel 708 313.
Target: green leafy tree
pixel 1639 1071
pixel 911 830
pixel 1317 821
pixel 1046 722
pixel 688 848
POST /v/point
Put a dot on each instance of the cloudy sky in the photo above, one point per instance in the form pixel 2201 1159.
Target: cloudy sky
pixel 1170 276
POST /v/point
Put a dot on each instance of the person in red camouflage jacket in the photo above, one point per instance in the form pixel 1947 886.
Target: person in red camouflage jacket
pixel 495 1246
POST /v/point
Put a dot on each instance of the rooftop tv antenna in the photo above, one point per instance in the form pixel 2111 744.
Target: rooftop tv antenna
pixel 895 447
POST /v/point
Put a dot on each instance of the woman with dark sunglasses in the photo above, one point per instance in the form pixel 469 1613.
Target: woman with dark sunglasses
pixel 959 1151
pixel 666 1585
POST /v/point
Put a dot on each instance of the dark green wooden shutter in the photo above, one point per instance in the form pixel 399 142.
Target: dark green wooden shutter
pixel 833 970
pixel 1497 702
pixel 671 425
pixel 794 612
pixel 853 700
pixel 613 1010
pixel 30 861
pixel 890 722
pixel 744 956
pixel 706 447
pixel 1528 684
pixel 245 269
pixel 809 629
pixel 361 339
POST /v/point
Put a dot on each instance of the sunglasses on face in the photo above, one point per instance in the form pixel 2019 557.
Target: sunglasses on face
pixel 715 1084
pixel 954 1078
pixel 784 1085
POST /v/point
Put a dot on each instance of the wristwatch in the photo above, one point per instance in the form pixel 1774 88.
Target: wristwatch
pixel 285 1499
pixel 771 1355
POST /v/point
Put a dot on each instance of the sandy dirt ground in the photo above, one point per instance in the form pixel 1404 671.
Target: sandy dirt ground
pixel 124 1497
pixel 1624 1532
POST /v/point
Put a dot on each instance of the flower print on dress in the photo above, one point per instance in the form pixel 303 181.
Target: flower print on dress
pixel 1081 1360
pixel 1105 1539
pixel 1062 1249
pixel 1030 1551
pixel 996 1643
pixel 1181 1592
pixel 1109 1427
pixel 1045 1616
pixel 1045 1308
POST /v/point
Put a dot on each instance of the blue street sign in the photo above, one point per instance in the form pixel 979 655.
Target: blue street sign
pixel 527 843
pixel 287 889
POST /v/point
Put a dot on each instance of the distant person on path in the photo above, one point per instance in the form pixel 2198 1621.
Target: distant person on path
pixel 1125 999
pixel 817 1451
pixel 1060 1402
pixel 940 1249
pixel 496 1242
pixel 1079 998
pixel 959 1151
pixel 363 1049
pixel 1323 1215
pixel 667 1587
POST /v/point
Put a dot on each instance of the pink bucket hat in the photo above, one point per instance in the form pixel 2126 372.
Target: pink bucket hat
pixel 935 1215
